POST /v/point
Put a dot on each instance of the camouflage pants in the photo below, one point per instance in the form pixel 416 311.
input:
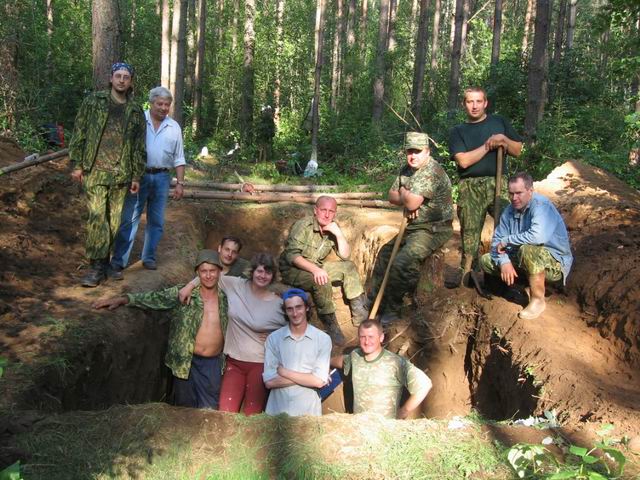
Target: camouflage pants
pixel 528 260
pixel 105 209
pixel 344 272
pixel 415 247
pixel 474 202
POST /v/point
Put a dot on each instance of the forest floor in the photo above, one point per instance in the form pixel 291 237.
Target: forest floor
pixel 80 389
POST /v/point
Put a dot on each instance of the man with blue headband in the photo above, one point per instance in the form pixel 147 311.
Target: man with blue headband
pixel 296 361
pixel 108 155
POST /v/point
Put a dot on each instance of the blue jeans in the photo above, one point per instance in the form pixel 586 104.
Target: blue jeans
pixel 154 191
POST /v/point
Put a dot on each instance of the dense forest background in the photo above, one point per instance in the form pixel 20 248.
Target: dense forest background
pixel 566 72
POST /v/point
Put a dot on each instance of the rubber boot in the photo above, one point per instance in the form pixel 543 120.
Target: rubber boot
pixel 359 309
pixel 537 303
pixel 94 275
pixel 330 322
pixel 465 278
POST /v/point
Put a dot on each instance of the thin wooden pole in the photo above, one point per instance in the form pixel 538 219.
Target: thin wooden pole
pixel 37 161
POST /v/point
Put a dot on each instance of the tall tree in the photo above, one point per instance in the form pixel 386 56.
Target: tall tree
pixel 105 27
pixel 336 56
pixel 165 56
pixel 350 57
pixel 9 72
pixel 199 68
pixel 559 34
pixel 279 49
pixel 528 19
pixel 362 35
pixel 315 103
pixel 456 53
pixel 497 30
pixel 435 35
pixel 538 69
pixel 178 59
pixel 246 109
pixel 419 62
pixel 379 72
pixel 571 25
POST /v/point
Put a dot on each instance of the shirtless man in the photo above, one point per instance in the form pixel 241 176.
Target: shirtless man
pixel 198 327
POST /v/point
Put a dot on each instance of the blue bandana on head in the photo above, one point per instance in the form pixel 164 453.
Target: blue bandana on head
pixel 295 292
pixel 121 66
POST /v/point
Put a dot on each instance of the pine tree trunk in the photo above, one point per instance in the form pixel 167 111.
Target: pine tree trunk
pixel 234 27
pixel 105 27
pixel 497 30
pixel 413 28
pixel 419 63
pixel 246 110
pixel 571 26
pixel 192 26
pixel 465 28
pixel 165 56
pixel 528 19
pixel 362 40
pixel 178 59
pixel 391 37
pixel 456 53
pixel 9 70
pixel 279 49
pixel 350 58
pixel 199 68
pixel 435 36
pixel 315 105
pixel 335 57
pixel 559 34
pixel 538 70
pixel 383 42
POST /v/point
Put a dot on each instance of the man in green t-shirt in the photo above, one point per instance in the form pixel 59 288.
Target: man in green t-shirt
pixel 379 376
pixel 108 154
pixel 474 146
pixel 423 189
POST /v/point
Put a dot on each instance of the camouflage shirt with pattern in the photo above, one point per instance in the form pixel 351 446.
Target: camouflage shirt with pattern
pixel 185 322
pixel 378 384
pixel 431 182
pixel 306 240
pixel 88 131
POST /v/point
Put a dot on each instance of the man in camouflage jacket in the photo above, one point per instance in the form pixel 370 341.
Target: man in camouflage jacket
pixel 423 189
pixel 108 155
pixel 196 335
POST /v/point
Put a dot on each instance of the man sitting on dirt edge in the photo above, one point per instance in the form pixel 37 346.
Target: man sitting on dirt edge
pixel 302 265
pixel 533 237
pixel 198 327
pixel 379 376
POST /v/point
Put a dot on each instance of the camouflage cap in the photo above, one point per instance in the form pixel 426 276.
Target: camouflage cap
pixel 416 141
pixel 208 256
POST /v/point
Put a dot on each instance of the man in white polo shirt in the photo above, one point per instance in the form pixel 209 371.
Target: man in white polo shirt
pixel 165 152
pixel 296 361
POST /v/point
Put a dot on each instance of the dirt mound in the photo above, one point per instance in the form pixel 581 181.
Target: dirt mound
pixel 10 152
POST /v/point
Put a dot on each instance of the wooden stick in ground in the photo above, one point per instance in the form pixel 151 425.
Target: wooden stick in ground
pixel 30 163
pixel 496 199
pixel 269 197
pixel 383 285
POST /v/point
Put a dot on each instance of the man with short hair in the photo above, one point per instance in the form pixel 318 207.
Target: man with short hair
pixel 302 265
pixel 531 240
pixel 474 146
pixel 379 376
pixel 296 361
pixel 423 189
pixel 108 154
pixel 232 264
pixel 164 153
pixel 196 336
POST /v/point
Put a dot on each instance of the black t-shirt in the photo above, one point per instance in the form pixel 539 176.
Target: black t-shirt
pixel 469 136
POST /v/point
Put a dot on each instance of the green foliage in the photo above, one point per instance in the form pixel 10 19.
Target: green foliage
pixel 3 364
pixel 12 472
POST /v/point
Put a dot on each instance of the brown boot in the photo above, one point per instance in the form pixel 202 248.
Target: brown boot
pixel 465 274
pixel 359 309
pixel 536 301
pixel 333 329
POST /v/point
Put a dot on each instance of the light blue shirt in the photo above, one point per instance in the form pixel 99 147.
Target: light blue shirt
pixel 308 354
pixel 164 146
pixel 539 223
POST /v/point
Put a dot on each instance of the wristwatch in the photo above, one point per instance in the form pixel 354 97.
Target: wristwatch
pixel 179 182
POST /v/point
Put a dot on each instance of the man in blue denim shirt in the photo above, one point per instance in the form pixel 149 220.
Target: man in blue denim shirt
pixel 531 240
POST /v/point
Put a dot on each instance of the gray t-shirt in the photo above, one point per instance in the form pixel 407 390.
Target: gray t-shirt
pixel 249 316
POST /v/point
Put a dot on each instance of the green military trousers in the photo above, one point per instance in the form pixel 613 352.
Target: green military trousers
pixel 528 260
pixel 344 272
pixel 105 204
pixel 415 248
pixel 474 202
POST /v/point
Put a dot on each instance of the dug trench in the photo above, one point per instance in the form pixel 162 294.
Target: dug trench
pixel 578 360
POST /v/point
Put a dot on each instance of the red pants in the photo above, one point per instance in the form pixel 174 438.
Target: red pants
pixel 243 381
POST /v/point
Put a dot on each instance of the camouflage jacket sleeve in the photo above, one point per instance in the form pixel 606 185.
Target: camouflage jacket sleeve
pixel 157 300
pixel 138 155
pixel 77 144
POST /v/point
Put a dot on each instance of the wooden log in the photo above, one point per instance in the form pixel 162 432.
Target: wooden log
pixel 339 195
pixel 37 161
pixel 270 197
pixel 266 188
pixel 432 273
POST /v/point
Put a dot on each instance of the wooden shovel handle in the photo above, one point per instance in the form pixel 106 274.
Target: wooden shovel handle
pixel 383 285
pixel 496 200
